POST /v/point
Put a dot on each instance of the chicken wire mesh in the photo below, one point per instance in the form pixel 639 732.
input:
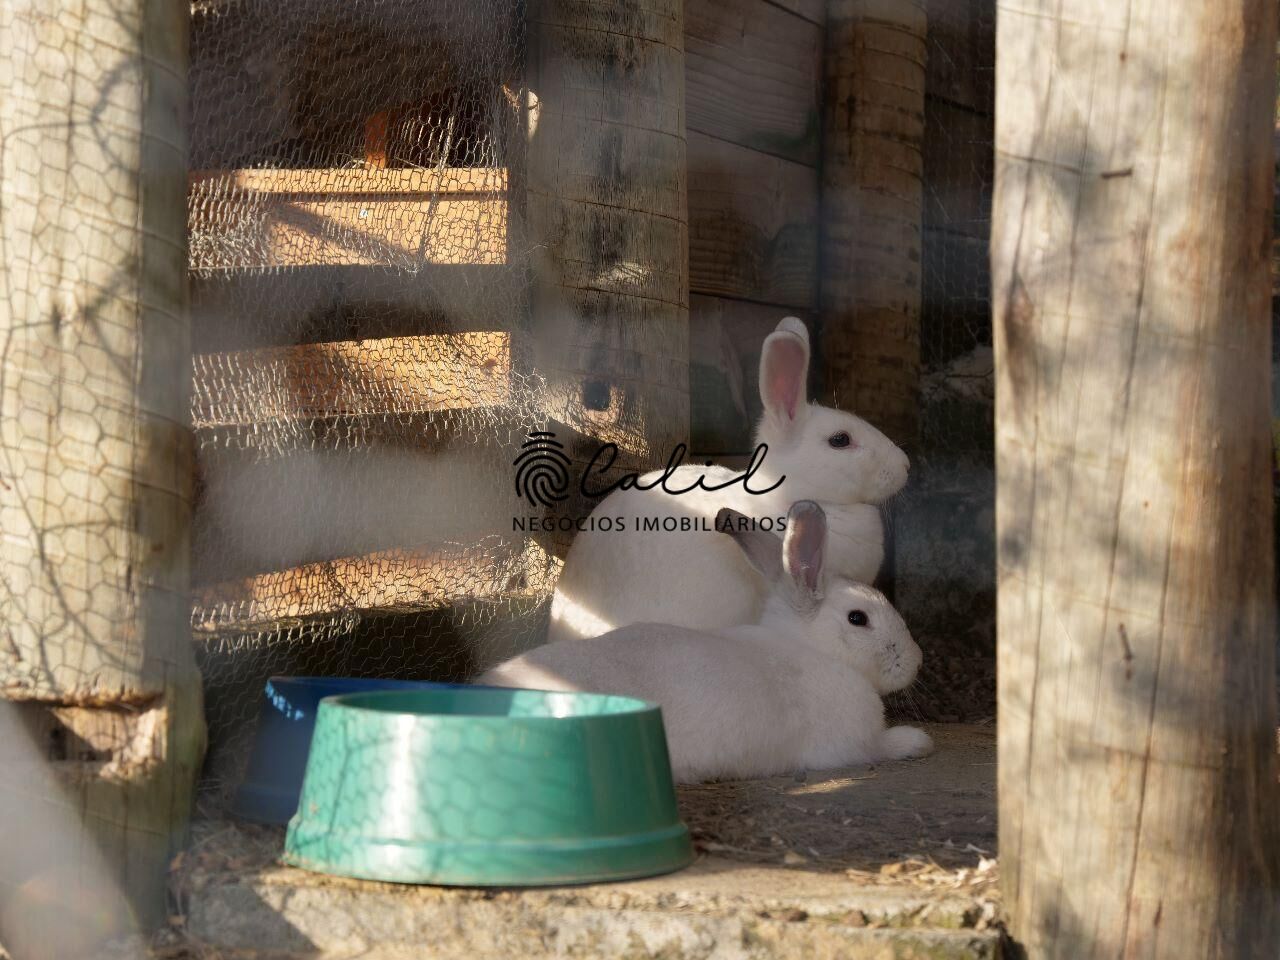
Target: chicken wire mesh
pixel 359 305
pixel 94 474
pixel 360 298
pixel 945 524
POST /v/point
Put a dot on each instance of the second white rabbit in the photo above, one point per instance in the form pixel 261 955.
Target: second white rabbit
pixel 799 689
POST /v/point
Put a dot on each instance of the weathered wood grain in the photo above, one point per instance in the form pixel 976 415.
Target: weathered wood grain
pixel 95 466
pixel 351 378
pixel 606 188
pixel 1137 775
pixel 815 11
pixel 872 194
pixel 387 484
pixel 352 181
pixel 753 76
pixel 753 225
pixel 386 582
pixel 342 217
pixel 254 310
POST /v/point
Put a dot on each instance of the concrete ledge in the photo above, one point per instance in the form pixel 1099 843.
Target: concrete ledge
pixel 690 919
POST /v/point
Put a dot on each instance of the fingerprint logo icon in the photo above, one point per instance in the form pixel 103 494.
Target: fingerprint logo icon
pixel 542 469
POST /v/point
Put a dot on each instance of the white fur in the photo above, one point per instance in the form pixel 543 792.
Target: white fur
pixel 797 690
pixel 612 579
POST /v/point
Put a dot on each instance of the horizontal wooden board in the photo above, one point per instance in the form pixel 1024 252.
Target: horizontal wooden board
pixel 352 180
pixel 240 311
pixel 724 362
pixel 353 378
pixel 753 76
pixel 311 504
pixel 753 224
pixel 959 174
pixel 389 581
pixel 284 230
pixel 259 219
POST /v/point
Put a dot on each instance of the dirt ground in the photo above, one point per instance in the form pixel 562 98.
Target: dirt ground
pixel 956 683
pixel 941 809
pixel 902 846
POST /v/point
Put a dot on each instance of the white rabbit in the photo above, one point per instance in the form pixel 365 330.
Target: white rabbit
pixel 800 689
pixel 614 578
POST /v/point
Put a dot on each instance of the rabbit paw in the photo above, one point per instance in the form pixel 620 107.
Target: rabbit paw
pixel 903 742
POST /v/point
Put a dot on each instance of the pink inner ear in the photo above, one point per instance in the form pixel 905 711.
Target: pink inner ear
pixel 785 363
pixel 806 543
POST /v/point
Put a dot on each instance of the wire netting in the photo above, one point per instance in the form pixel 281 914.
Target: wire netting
pixel 359 297
pixel 945 527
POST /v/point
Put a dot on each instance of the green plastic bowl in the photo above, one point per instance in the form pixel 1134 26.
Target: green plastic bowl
pixel 488 787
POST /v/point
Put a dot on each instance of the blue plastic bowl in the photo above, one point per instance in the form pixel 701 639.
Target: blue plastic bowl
pixel 286 720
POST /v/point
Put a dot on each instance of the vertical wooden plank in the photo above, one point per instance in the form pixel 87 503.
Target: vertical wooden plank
pixel 607 207
pixel 871 198
pixel 94 445
pixel 1136 616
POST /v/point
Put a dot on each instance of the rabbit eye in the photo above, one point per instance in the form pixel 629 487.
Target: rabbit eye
pixel 839 440
pixel 858 618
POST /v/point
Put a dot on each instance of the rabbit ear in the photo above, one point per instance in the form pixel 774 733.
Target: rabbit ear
pixel 784 370
pixel 804 550
pixel 793 325
pixel 763 550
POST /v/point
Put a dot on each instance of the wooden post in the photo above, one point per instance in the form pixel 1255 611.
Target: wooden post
pixel 94 440
pixel 607 208
pixel 1138 800
pixel 872 200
